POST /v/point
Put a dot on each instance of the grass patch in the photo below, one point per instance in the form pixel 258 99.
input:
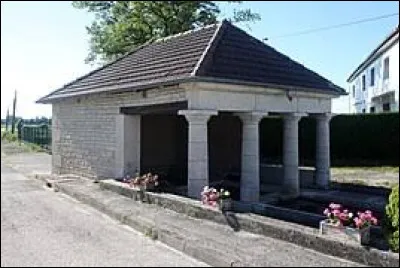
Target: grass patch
pixel 391 169
pixel 358 182
pixel 388 184
pixel 32 147
pixel 8 136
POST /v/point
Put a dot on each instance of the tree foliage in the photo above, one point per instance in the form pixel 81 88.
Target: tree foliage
pixel 120 26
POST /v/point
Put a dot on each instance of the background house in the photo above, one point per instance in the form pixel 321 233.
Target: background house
pixel 374 84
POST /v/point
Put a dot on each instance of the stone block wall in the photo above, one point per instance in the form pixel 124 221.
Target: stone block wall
pixel 84 129
pixel 273 174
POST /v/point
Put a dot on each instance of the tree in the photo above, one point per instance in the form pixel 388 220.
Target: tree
pixel 120 26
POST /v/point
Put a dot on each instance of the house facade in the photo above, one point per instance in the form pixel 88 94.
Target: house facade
pixel 374 84
pixel 189 107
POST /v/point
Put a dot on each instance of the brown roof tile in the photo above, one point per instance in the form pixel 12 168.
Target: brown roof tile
pixel 220 51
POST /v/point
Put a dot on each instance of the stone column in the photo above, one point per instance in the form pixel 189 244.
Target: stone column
pixel 322 154
pixel 291 182
pixel 197 149
pixel 127 154
pixel 250 174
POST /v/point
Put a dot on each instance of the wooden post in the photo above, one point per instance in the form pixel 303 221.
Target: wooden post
pixel 8 115
pixel 13 116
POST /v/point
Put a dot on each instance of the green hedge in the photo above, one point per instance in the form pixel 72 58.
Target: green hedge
pixel 356 140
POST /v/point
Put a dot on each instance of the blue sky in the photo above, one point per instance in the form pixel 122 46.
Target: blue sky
pixel 43 44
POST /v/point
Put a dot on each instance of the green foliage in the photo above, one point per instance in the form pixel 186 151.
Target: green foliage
pixel 365 138
pixel 392 214
pixel 8 136
pixel 120 26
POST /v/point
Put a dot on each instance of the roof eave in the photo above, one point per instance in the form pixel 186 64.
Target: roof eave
pixel 49 99
pixel 375 52
pixel 337 91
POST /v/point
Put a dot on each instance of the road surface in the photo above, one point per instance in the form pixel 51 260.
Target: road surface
pixel 41 228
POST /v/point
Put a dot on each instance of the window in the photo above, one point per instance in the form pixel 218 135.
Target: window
pixel 363 82
pixel 386 107
pixel 372 109
pixel 372 78
pixel 354 91
pixel 386 68
pixel 363 111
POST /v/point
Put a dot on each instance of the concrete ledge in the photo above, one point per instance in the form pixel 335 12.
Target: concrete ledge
pixel 121 209
pixel 291 232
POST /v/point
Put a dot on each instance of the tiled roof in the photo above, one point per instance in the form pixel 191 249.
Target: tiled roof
pixel 220 52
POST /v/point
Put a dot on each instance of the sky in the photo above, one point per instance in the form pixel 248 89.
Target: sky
pixel 44 44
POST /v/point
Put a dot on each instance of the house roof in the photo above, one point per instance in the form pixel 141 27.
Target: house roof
pixel 219 53
pixel 381 48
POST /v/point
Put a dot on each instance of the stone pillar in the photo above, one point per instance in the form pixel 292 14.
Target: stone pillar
pixel 291 182
pixel 322 154
pixel 197 149
pixel 127 154
pixel 250 174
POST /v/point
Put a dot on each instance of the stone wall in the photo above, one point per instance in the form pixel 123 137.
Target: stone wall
pixel 84 130
pixel 273 174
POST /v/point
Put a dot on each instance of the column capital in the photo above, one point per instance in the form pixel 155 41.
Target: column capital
pixel 293 116
pixel 197 115
pixel 253 117
pixel 324 116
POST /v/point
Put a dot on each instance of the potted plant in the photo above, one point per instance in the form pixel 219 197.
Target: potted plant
pixel 342 224
pixel 211 197
pixel 144 183
pixel 225 200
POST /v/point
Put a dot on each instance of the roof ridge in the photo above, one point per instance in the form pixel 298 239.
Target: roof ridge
pixel 163 39
pixel 209 46
pixel 290 60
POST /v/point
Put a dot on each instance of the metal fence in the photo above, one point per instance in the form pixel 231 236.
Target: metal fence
pixel 38 134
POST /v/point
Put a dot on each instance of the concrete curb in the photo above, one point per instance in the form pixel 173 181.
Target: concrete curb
pixel 290 232
pixel 164 234
pixel 297 234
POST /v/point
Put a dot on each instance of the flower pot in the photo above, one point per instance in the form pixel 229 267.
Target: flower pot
pixel 226 204
pixel 361 236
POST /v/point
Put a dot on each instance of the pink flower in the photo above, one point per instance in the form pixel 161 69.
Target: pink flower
pixel 326 212
pixel 367 216
pixel 213 203
pixel 358 222
pixel 336 212
pixel 374 221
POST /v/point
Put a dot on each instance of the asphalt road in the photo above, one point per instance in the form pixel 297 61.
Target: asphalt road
pixel 40 228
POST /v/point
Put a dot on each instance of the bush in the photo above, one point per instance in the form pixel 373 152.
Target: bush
pixel 8 136
pixel 392 215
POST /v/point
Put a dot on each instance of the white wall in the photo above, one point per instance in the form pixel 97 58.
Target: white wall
pixel 363 99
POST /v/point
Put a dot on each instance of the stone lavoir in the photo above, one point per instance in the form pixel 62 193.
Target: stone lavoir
pixel 188 107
